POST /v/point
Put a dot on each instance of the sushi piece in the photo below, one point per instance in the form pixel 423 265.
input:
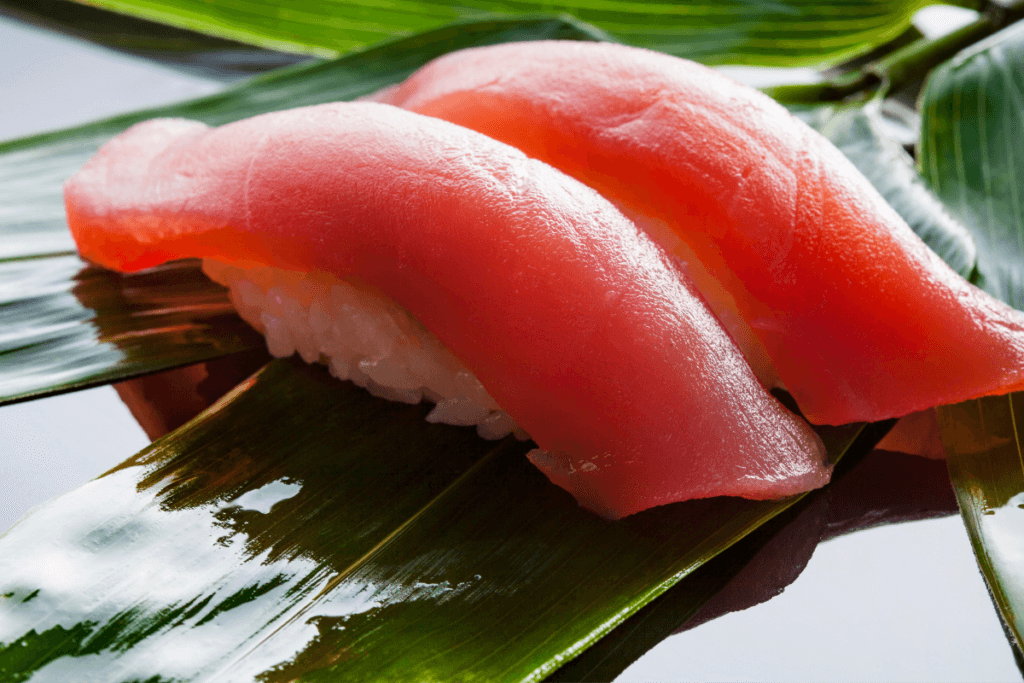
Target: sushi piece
pixel 573 321
pixel 822 284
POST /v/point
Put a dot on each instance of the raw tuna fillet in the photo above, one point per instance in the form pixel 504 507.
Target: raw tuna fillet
pixel 822 284
pixel 575 322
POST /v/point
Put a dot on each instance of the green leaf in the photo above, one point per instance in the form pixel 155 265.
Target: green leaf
pixel 859 133
pixel 194 53
pixel 301 528
pixel 970 153
pixel 62 327
pixel 68 326
pixel 895 66
pixel 778 32
pixel 33 169
pixel 986 465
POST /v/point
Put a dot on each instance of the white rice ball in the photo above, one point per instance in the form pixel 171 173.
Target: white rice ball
pixel 361 336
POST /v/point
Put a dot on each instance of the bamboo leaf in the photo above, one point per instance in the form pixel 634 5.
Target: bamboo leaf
pixel 780 33
pixel 983 440
pixel 859 133
pixel 68 326
pixel 302 529
pixel 973 111
pixel 63 326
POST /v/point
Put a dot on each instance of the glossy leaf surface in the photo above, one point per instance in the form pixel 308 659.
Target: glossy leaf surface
pixel 860 134
pixel 986 465
pixel 784 33
pixel 970 153
pixel 301 528
pixel 67 326
pixel 32 170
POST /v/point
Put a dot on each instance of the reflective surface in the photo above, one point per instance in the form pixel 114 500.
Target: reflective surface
pixel 68 325
pixel 902 603
pixel 39 460
pixel 899 603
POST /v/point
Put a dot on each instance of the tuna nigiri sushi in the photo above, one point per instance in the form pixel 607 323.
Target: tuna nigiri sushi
pixel 822 284
pixel 568 318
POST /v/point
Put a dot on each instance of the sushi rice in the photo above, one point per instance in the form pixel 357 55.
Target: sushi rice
pixel 362 336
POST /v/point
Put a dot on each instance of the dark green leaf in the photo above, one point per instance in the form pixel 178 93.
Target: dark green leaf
pixel 986 465
pixel 859 133
pixel 67 326
pixel 779 33
pixel 33 169
pixel 301 528
pixel 970 154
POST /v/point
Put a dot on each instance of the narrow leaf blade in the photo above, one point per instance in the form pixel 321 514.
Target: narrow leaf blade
pixel 986 465
pixel 187 51
pixel 972 111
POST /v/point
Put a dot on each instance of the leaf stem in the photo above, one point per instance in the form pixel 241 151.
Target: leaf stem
pixel 904 65
pixel 917 59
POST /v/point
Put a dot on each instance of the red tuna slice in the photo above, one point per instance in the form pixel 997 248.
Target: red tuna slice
pixel 859 318
pixel 574 321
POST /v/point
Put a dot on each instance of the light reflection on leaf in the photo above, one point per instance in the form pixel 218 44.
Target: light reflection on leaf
pixel 402 536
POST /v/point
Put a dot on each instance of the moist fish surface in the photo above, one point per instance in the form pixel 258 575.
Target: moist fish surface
pixel 575 322
pixel 825 288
